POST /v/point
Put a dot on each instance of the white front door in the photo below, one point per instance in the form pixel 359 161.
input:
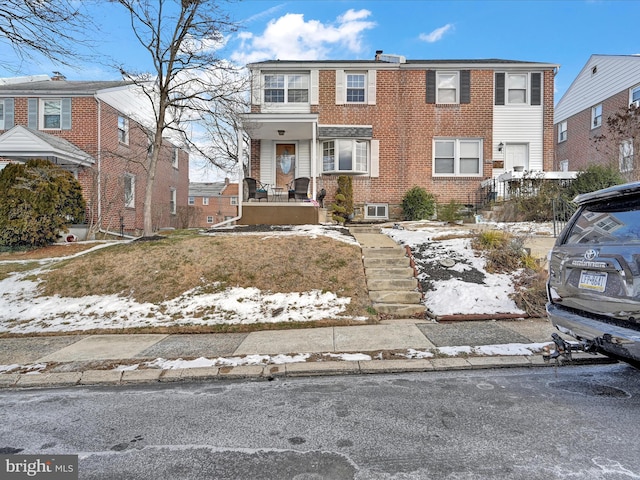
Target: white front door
pixel 516 155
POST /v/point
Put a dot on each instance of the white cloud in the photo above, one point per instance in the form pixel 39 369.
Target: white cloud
pixel 437 34
pixel 291 37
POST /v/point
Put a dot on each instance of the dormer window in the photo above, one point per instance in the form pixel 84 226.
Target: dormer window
pixel 286 88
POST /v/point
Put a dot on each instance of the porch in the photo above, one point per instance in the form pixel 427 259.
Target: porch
pixel 282 213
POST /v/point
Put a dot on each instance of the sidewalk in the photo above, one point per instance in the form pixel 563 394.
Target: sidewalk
pixel 392 346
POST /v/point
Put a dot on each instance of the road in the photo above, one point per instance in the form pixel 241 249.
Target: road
pixel 576 422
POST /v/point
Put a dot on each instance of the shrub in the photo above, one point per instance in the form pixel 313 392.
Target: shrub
pixel 418 204
pixel 342 209
pixel 450 212
pixel 594 177
pixel 37 200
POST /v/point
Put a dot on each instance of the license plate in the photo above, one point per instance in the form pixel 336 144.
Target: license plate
pixel 595 281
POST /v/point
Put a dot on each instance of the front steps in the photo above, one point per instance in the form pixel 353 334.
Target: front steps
pixel 391 282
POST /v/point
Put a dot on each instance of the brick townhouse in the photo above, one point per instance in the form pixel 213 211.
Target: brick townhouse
pixel 212 202
pixel 393 123
pixel 97 130
pixel 606 85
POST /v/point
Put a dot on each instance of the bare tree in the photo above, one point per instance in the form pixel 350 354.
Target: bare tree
pixel 182 38
pixel 51 28
pixel 621 141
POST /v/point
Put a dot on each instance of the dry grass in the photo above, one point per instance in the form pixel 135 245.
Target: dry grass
pixel 154 271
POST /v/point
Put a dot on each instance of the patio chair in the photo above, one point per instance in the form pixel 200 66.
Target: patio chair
pixel 255 189
pixel 298 188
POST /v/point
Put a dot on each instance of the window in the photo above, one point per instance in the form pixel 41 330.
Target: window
pixel 172 201
pixel 596 116
pixel 626 156
pixel 516 88
pixel 175 158
pixel 457 157
pixel 209 219
pixel 233 200
pixel 376 210
pixel 345 155
pixel 123 130
pixel 129 190
pixel 286 88
pixel 51 114
pixel 564 165
pixel 356 87
pixel 192 200
pixel 562 131
pixel 447 87
pixel 205 200
pixel 635 96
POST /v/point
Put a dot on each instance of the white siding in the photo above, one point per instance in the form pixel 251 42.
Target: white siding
pixel 515 124
pixel 615 73
pixel 303 163
pixel 267 162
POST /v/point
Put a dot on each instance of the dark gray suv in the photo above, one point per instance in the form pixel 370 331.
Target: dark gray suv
pixel 594 274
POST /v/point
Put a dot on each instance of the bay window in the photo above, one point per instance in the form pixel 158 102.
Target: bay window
pixel 345 155
pixel 460 157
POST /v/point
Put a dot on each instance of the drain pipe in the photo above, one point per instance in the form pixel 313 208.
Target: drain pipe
pixel 240 184
pixel 99 159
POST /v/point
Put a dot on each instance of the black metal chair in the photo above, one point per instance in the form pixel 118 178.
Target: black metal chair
pixel 256 189
pixel 298 188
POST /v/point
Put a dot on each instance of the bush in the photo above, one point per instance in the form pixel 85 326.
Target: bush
pixel 418 204
pixel 450 212
pixel 342 209
pixel 37 200
pixel 594 177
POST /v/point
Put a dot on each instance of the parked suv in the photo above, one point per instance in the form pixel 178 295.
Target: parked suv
pixel 594 274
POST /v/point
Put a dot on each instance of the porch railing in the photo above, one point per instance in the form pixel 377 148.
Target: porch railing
pixel 562 212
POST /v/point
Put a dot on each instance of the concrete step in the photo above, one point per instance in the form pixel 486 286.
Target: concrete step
pixel 392 284
pixel 400 310
pixel 383 262
pixel 389 272
pixel 394 296
pixel 384 252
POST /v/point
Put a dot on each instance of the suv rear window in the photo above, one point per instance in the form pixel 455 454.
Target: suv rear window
pixel 609 222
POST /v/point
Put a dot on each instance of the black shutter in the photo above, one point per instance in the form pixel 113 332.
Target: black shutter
pixel 465 86
pixel 431 86
pixel 499 95
pixel 536 89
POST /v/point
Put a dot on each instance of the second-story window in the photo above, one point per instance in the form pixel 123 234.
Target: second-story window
pixel 596 116
pixel 1 114
pixel 635 96
pixel 205 200
pixel 562 131
pixel 517 88
pixel 356 83
pixel 286 88
pixel 123 129
pixel 51 113
pixel 447 87
pixel 192 200
pixel 175 158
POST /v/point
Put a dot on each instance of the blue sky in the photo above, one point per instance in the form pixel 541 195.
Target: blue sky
pixel 563 32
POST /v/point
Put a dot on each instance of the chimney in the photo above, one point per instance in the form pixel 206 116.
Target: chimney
pixel 226 181
pixel 57 76
pixel 378 53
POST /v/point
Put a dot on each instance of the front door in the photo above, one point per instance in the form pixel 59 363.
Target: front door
pixel 285 164
pixel 516 156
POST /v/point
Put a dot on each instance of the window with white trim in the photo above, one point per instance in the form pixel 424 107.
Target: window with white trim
pixel 233 200
pixel 345 156
pixel 625 157
pixel 51 113
pixel 517 88
pixel 562 131
pixel 175 157
pixel 634 96
pixel 286 88
pixel 356 87
pixel 564 165
pixel 376 211
pixel 129 190
pixel 457 157
pixel 192 200
pixel 205 200
pixel 209 219
pixel 123 130
pixel 172 201
pixel 447 87
pixel 596 116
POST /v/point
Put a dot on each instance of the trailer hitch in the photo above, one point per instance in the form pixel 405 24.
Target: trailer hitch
pixel 563 348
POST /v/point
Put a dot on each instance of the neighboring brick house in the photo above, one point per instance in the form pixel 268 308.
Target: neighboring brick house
pixel 606 85
pixel 212 203
pixel 96 130
pixel 392 123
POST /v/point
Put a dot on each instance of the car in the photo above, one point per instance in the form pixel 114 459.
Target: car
pixel 593 287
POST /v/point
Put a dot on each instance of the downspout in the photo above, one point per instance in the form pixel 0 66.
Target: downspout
pixel 240 182
pixel 314 161
pixel 99 159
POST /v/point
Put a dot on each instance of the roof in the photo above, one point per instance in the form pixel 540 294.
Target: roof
pixel 212 189
pixel 485 63
pixel 625 189
pixel 612 75
pixel 58 87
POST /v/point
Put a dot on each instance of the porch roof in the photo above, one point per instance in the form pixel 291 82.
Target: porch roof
pixel 22 143
pixel 278 126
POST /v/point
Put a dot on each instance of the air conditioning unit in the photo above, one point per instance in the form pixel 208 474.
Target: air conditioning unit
pixel 635 104
pixel 392 58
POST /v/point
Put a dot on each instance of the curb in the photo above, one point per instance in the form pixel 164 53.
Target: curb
pixel 290 370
